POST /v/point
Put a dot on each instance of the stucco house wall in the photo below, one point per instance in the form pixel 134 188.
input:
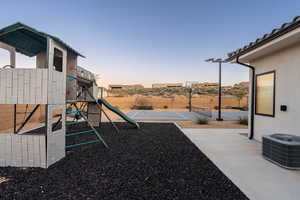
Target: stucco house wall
pixel 286 64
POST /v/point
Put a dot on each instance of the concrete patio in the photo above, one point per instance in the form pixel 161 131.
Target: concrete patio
pixel 181 116
pixel 240 160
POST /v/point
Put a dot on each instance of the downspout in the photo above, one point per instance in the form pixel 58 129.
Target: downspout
pixel 252 96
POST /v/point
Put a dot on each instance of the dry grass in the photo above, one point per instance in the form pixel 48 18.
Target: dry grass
pixel 7 116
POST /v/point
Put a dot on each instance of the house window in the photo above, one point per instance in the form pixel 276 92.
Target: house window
pixel 58 60
pixel 265 94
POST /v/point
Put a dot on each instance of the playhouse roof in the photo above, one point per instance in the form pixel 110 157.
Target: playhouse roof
pixel 27 40
pixel 277 32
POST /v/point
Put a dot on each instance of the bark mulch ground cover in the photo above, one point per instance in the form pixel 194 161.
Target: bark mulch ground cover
pixel 156 162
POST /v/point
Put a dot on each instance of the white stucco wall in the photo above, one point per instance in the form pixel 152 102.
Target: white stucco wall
pixel 286 63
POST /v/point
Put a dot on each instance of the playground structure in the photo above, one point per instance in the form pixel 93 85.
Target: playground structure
pixel 64 90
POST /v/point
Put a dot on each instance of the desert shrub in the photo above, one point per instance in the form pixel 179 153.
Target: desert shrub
pixel 165 107
pixel 243 120
pixel 202 120
pixel 142 101
pixel 216 107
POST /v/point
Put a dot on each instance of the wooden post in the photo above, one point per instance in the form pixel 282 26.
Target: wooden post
pixel 15 118
pixel 101 96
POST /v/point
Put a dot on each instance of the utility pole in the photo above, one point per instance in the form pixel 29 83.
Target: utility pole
pixel 190 99
pixel 220 92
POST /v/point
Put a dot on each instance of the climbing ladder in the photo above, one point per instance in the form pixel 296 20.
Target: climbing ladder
pixel 75 133
pixel 84 132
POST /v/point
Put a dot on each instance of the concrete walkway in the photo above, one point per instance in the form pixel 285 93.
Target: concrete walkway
pixel 240 160
pixel 181 116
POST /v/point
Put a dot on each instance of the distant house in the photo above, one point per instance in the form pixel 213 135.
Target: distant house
pixel 125 87
pixel 167 85
pixel 274 60
pixel 205 84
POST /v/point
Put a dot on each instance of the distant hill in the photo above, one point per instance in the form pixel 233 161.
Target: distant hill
pixel 237 89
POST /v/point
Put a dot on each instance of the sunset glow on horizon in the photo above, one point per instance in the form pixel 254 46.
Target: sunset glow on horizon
pixel 146 42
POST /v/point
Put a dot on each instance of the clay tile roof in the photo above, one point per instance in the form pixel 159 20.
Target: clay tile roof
pixel 283 29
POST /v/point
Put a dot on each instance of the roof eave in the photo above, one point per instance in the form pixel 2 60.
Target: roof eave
pixel 20 26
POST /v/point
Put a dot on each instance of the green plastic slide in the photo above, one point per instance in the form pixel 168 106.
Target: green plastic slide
pixel 118 112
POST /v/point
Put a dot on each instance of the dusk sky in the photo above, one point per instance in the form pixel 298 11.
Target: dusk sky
pixel 152 41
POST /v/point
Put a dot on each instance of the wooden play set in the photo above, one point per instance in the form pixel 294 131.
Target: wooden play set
pixel 66 92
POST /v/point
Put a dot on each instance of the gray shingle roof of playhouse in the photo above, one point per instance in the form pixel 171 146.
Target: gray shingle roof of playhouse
pixel 277 32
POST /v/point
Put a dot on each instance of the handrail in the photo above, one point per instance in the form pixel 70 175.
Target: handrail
pixel 6 66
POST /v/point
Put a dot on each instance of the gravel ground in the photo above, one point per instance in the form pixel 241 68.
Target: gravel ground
pixel 156 162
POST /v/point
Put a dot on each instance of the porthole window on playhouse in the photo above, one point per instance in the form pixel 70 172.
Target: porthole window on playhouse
pixel 265 94
pixel 58 60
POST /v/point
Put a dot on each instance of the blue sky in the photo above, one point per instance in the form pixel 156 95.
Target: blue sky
pixel 147 41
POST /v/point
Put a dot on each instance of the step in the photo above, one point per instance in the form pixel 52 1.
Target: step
pixel 74 122
pixel 79 132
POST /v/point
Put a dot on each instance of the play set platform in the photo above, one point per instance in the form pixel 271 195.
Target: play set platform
pixel 57 87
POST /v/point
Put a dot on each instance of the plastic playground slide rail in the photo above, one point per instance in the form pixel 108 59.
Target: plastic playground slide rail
pixel 118 112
